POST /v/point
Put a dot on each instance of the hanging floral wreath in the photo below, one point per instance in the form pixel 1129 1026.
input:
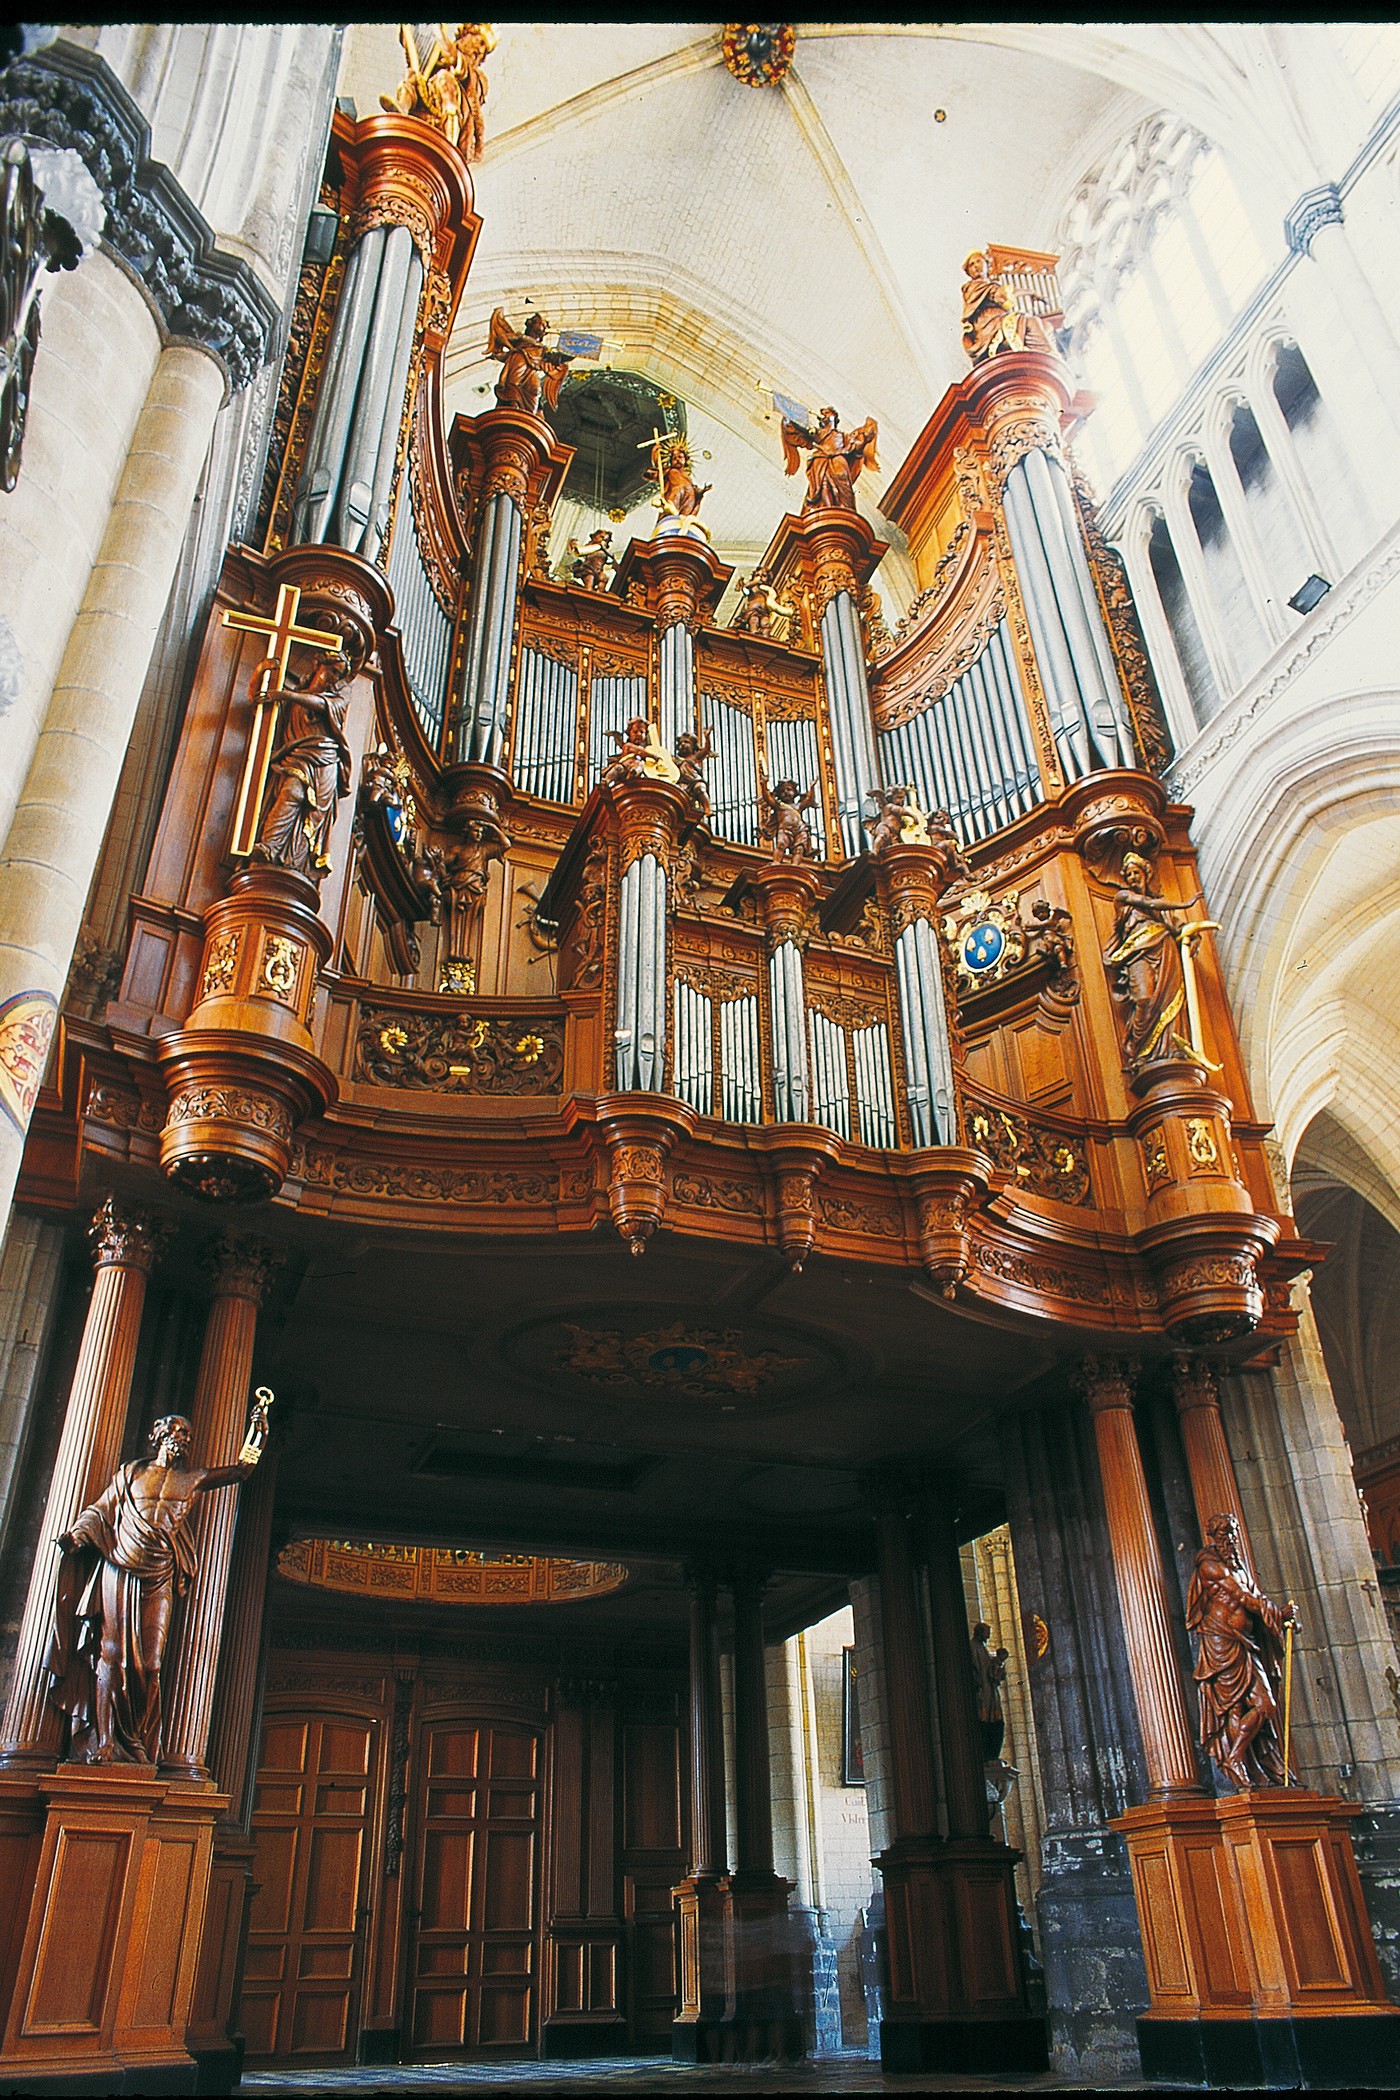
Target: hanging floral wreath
pixel 758 53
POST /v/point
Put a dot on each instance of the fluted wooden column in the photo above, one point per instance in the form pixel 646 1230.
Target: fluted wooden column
pixel 1142 1590
pixel 125 1242
pixel 241 1270
pixel 753 1791
pixel 236 1728
pixel 707 1834
pixel 964 1783
pixel 914 1795
pixel 1213 1486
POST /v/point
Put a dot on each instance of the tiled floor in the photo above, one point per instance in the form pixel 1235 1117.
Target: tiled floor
pixel 848 2073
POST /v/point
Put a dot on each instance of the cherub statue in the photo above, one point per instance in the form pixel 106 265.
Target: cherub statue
pixel 528 370
pixel 691 754
pixel 1051 934
pixel 592 560
pixel 125 1560
pixel 898 820
pixel 941 833
pixel 448 86
pixel 640 755
pixel 759 605
pixel 781 820
pixel 837 458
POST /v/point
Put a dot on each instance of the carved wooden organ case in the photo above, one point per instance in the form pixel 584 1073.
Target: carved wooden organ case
pixel 513 996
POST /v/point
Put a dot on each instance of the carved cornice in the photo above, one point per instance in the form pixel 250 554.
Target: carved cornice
pixel 70 98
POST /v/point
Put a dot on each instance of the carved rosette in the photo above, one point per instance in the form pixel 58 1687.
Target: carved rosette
pixel 787 892
pixel 506 452
pixel 676 578
pixel 243 1071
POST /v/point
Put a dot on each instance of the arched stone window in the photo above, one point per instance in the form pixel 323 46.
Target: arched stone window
pixel 1322 456
pixel 1281 541
pixel 1196 672
pixel 1157 256
pixel 1236 616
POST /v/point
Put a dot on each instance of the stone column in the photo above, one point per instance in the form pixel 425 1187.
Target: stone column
pixel 242 1270
pixel 236 1730
pixel 125 1243
pixel 965 1788
pixel 56 833
pixel 760 2017
pixel 31 1277
pixel 1142 1589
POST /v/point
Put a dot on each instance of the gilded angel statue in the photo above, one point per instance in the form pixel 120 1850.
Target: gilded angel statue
pixel 446 85
pixel 837 458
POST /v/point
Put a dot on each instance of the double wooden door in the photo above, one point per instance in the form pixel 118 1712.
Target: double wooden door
pixel 469 1887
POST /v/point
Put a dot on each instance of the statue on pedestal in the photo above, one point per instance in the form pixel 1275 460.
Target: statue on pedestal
pixel 592 561
pixel 678 496
pixel 989 1674
pixel 837 458
pixel 1152 960
pixel 640 755
pixel 691 754
pixel 310 769
pixel 447 87
pixel 760 606
pixel 528 370
pixel 898 819
pixel 990 322
pixel 124 1562
pixel 1239 1662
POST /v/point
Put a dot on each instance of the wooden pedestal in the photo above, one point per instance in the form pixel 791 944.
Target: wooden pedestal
pixel 956 1998
pixel 761 2019
pixel 113 1915
pixel 702 1985
pixel 214 2039
pixel 1260 1961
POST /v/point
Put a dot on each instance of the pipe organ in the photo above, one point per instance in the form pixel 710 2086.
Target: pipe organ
pixel 916 1030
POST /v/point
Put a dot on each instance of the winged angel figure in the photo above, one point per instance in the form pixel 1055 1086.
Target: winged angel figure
pixel 528 370
pixel 837 458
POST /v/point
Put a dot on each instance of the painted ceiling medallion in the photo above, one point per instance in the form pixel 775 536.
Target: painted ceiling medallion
pixel 758 53
pixel 444 1574
pixel 693 1362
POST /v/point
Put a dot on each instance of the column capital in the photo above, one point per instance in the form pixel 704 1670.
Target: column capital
pixel 1106 1382
pixel 241 1267
pixel 124 1236
pixel 1195 1382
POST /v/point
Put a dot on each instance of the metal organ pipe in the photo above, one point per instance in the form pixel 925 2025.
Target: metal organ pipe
pixel 546 711
pixel 677 683
pixel 641 976
pixel 848 709
pixel 924 1027
pixel 969 751
pixel 424 628
pixel 1074 588
pixel 491 632
pixel 320 483
pixel 361 513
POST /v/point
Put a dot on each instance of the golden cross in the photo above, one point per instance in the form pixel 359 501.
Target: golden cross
pixel 282 632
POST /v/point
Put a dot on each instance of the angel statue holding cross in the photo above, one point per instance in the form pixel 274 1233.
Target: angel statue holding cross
pixel 837 458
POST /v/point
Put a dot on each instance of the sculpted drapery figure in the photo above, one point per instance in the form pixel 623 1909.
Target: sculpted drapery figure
pixel 310 769
pixel 447 86
pixel 1239 1662
pixel 528 370
pixel 990 321
pixel 126 1559
pixel 1147 963
pixel 836 462
pixel 989 1675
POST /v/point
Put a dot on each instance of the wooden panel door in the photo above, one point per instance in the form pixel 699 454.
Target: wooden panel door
pixel 311 1826
pixel 474 1953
